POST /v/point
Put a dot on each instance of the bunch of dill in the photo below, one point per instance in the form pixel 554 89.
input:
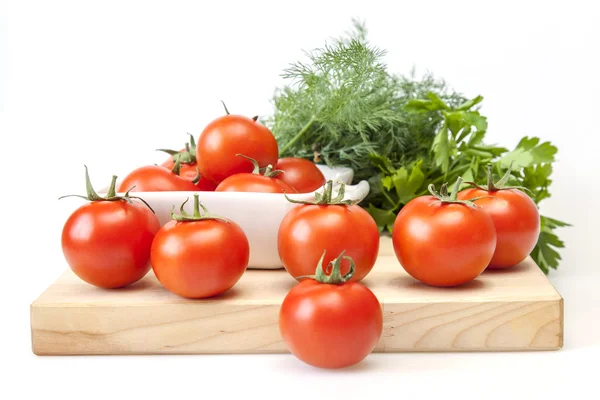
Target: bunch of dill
pixel 342 106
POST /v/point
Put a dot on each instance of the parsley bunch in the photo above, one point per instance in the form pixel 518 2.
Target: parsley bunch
pixel 401 133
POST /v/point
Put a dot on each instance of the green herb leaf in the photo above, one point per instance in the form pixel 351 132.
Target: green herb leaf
pixel 381 162
pixel 384 218
pixel 470 103
pixel 441 149
pixel 475 119
pixel 537 179
pixel 545 254
pixel 455 121
pixel 437 103
pixel 406 186
pixel 529 152
pixel 419 105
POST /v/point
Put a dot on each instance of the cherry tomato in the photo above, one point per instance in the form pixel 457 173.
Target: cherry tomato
pixel 199 257
pixel 301 174
pixel 441 242
pixel 152 178
pixel 309 229
pixel 255 182
pixel 189 167
pixel 516 219
pixel 190 173
pixel 330 325
pixel 107 243
pixel 227 136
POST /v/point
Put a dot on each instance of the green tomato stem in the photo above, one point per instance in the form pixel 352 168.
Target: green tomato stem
pixel 501 184
pixel 332 274
pixel 196 214
pixel 111 195
pixel 268 171
pixel 225 107
pixel 188 156
pixel 326 199
pixel 445 198
pixel 177 167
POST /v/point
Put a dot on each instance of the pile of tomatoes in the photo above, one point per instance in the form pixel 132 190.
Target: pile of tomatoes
pixel 329 319
pixel 234 153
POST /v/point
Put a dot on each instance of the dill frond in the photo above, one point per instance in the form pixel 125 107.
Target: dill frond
pixel 342 101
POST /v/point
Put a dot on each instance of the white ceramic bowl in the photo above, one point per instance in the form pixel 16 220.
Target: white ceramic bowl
pixel 258 214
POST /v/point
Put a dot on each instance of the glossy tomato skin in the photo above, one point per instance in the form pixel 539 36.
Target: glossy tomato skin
pixel 301 174
pixel 224 138
pixel 307 230
pixel 153 178
pixel 330 326
pixel 200 259
pixel 443 244
pixel 190 172
pixel 107 243
pixel 254 183
pixel 516 219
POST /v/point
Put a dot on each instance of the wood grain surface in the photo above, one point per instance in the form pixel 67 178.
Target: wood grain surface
pixel 510 310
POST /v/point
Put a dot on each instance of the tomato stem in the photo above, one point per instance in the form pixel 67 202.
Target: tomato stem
pixel 177 167
pixel 326 198
pixel 445 198
pixel 196 214
pixel 187 156
pixel 332 274
pixel 111 195
pixel 112 189
pixel 225 107
pixel 490 178
pixel 268 171
pixel 501 184
pixel 198 176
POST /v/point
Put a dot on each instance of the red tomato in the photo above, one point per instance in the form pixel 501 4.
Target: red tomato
pixel 309 229
pixel 190 173
pixel 200 258
pixel 443 244
pixel 152 178
pixel 227 136
pixel 516 219
pixel 253 183
pixel 302 174
pixel 189 167
pixel 330 325
pixel 107 243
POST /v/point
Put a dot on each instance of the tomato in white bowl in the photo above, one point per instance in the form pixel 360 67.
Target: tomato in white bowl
pixel 258 214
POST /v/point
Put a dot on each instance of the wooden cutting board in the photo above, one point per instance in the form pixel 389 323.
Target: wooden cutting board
pixel 516 309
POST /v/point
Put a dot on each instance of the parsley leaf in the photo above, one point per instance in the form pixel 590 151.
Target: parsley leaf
pixel 406 184
pixel 528 152
pixel 544 253
pixel 441 149
pixel 384 218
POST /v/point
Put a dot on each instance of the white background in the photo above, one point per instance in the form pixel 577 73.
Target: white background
pixel 106 83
